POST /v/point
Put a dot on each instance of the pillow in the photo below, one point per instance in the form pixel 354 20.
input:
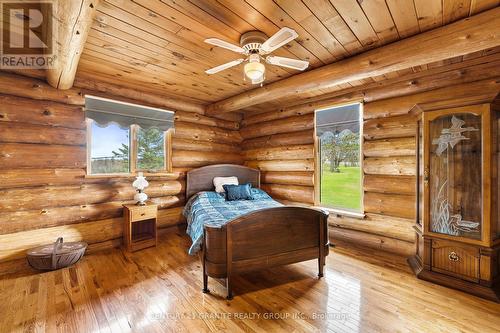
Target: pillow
pixel 238 192
pixel 219 181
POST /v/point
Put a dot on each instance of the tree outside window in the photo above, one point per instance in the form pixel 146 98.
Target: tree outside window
pixel 150 149
pixel 340 147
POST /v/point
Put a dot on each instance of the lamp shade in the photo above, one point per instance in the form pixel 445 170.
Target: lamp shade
pixel 140 183
pixel 254 70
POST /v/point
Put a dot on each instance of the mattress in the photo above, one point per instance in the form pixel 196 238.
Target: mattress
pixel 212 209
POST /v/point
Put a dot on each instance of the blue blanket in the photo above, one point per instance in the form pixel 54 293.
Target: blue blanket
pixel 211 208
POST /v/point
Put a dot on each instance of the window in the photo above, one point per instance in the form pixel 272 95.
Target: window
pixel 338 131
pixel 124 138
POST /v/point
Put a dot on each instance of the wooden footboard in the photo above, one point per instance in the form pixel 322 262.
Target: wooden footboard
pixel 265 238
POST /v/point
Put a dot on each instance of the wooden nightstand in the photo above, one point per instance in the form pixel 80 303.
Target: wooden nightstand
pixel 139 231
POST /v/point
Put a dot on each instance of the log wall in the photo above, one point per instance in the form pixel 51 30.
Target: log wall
pixel 45 194
pixel 43 188
pixel 281 144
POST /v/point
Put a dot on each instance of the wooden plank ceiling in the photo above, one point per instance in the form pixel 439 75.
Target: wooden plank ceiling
pixel 157 46
pixel 408 77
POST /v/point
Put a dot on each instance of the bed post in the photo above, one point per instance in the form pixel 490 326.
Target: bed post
pixel 229 261
pixel 321 252
pixel 204 259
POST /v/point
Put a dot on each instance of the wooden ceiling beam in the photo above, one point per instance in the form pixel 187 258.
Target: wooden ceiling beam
pixel 74 19
pixel 469 35
pixel 113 91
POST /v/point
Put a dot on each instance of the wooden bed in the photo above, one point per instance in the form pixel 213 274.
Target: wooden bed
pixel 260 239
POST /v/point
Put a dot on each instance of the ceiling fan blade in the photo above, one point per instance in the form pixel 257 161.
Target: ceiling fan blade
pixel 283 36
pixel 225 45
pixel 287 62
pixel 224 66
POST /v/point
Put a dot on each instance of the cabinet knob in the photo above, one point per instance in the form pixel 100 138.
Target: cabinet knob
pixel 453 256
pixel 426 177
pixel 142 214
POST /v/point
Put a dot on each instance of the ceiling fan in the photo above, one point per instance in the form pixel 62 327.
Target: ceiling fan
pixel 255 45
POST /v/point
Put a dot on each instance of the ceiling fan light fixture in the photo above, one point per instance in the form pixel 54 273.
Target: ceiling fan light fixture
pixel 254 70
pixel 254 45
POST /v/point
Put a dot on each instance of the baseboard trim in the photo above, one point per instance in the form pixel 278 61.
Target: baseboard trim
pixel 364 239
pixel 21 266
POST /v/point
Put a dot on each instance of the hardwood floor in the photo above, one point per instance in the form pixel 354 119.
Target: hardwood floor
pixel 159 290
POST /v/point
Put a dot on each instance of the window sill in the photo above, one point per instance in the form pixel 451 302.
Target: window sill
pixel 344 213
pixel 131 175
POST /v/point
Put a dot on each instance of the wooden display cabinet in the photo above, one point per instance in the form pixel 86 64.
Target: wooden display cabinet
pixel 139 231
pixel 457 226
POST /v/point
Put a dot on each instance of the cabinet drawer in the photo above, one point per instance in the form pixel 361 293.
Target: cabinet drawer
pixel 142 213
pixel 458 260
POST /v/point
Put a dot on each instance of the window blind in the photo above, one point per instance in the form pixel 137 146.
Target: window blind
pixel 336 119
pixel 105 111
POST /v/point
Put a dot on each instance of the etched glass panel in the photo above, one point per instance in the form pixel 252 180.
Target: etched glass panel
pixel 455 175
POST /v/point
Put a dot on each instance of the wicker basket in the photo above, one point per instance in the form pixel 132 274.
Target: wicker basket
pixel 56 255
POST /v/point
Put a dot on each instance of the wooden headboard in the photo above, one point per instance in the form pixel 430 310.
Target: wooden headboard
pixel 201 179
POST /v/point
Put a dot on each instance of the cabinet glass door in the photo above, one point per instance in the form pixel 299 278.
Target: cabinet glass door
pixel 454 175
